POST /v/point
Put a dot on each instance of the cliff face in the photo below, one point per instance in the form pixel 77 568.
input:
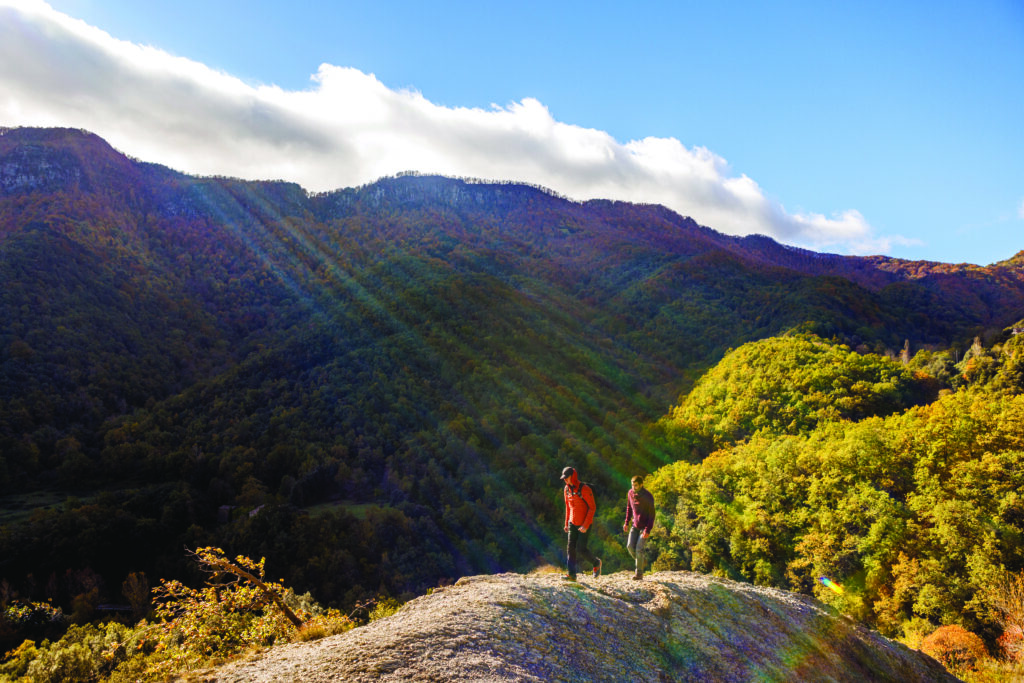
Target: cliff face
pixel 673 626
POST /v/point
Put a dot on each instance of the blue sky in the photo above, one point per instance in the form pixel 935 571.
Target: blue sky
pixel 890 128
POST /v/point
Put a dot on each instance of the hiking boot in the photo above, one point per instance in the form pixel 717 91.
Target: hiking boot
pixel 638 576
pixel 597 568
pixel 568 577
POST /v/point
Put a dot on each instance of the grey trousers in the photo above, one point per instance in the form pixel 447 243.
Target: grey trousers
pixel 635 545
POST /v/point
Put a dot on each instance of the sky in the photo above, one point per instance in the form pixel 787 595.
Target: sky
pixel 856 128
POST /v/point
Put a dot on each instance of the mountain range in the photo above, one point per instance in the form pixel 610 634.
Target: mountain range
pixel 376 387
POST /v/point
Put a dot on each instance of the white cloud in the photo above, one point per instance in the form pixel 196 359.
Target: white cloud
pixel 348 129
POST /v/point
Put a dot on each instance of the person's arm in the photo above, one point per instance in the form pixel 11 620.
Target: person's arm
pixel 565 496
pixel 629 511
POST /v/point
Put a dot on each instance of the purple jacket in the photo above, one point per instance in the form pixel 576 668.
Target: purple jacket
pixel 640 509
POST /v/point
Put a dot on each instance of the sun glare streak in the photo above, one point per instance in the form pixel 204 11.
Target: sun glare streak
pixel 407 298
pixel 303 249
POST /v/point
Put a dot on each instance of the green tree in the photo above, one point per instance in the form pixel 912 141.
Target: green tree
pixel 788 385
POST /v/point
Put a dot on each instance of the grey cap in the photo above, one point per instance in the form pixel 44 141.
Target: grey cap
pixel 567 472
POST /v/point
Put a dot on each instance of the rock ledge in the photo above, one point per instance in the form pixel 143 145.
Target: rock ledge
pixel 673 626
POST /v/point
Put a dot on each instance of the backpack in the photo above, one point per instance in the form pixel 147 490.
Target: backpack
pixel 579 492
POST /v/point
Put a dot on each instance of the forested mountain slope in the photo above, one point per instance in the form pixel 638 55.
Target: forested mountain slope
pixel 377 387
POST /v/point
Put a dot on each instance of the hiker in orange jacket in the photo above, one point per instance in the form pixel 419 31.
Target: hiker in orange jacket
pixel 579 515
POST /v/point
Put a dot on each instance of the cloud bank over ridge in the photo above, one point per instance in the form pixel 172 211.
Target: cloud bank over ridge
pixel 349 129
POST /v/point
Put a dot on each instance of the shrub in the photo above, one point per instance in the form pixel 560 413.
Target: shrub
pixel 915 631
pixel 33 621
pixel 56 665
pixel 329 623
pixel 385 608
pixel 994 671
pixel 236 610
pixel 213 622
pixel 84 653
pixel 1011 643
pixel 955 647
pixel 18 660
pixel 1007 599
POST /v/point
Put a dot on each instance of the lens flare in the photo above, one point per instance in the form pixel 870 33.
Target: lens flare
pixel 831 585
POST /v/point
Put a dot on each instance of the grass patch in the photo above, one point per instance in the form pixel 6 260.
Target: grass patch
pixel 19 507
pixel 545 570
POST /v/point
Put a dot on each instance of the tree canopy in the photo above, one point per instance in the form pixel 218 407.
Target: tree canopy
pixel 915 514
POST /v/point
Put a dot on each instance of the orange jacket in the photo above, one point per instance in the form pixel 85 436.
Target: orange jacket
pixel 579 502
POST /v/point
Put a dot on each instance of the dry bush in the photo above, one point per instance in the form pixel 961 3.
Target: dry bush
pixel 330 623
pixel 994 671
pixel 955 648
pixel 545 570
pixel 1011 644
pixel 1007 599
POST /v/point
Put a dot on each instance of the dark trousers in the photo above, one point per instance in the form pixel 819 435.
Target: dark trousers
pixel 577 548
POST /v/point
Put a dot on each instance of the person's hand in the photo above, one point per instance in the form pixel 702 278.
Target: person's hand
pixel 646 533
pixel 566 528
pixel 625 528
pixel 583 529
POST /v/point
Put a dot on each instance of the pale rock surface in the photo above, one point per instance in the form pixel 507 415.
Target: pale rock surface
pixel 672 626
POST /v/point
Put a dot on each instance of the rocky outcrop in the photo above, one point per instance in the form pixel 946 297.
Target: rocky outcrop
pixel 38 168
pixel 673 626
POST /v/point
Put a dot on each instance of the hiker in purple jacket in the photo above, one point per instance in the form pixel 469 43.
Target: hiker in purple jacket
pixel 639 513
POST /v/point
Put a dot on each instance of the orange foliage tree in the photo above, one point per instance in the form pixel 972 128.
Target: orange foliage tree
pixel 954 647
